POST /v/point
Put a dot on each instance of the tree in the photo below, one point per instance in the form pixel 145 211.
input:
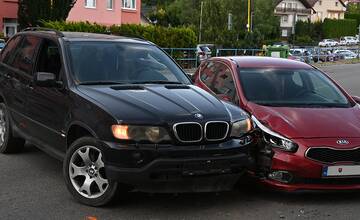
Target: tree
pixel 215 20
pixel 32 12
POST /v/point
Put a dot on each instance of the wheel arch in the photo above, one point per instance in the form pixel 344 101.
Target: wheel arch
pixel 77 130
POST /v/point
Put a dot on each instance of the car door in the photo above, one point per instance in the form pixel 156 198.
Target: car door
pixel 18 68
pixel 48 106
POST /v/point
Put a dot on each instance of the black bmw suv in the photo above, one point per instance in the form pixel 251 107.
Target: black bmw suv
pixel 119 113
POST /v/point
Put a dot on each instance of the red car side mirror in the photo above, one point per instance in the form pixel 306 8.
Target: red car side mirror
pixel 356 99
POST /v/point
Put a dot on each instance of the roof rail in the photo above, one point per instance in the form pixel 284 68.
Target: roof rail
pixel 58 33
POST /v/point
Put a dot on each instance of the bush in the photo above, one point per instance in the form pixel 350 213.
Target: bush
pixel 337 28
pixel 164 37
pixel 353 16
pixel 307 32
pixel 304 41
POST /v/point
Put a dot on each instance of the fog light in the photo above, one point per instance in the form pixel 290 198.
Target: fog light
pixel 245 140
pixel 281 176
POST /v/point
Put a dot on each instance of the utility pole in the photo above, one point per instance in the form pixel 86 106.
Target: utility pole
pixel 201 20
pixel 249 16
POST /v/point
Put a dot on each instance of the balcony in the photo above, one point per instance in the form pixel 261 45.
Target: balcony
pixel 286 10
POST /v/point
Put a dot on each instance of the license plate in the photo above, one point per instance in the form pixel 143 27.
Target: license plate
pixel 346 170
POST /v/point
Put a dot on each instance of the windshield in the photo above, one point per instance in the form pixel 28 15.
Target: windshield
pixel 2 45
pixel 291 88
pixel 118 62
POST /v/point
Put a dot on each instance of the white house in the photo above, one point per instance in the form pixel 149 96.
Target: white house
pixel 333 9
pixel 291 11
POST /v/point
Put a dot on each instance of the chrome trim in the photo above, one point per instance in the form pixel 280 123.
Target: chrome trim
pixel 267 130
pixel 185 123
pixel 332 148
pixel 226 133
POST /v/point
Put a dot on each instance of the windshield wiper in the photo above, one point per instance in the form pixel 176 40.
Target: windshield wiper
pixel 102 83
pixel 157 82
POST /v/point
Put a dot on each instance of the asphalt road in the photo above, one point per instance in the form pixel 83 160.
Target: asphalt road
pixel 32 188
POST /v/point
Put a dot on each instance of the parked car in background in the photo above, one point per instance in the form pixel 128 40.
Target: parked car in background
pixel 308 125
pixel 203 52
pixel 348 41
pixel 300 54
pixel 2 44
pixel 328 43
pixel 325 56
pixel 346 54
pixel 120 114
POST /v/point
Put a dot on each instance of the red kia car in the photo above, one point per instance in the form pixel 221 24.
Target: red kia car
pixel 309 126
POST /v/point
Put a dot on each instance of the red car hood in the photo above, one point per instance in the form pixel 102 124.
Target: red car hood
pixel 310 122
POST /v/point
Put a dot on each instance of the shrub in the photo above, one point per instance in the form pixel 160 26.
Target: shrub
pixel 353 16
pixel 337 28
pixel 304 41
pixel 180 37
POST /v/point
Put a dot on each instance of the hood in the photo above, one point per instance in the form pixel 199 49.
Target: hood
pixel 159 104
pixel 310 122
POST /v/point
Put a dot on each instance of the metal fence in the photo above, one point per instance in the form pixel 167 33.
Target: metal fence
pixel 240 52
pixel 188 57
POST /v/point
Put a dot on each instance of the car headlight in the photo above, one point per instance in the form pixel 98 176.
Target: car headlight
pixel 140 133
pixel 274 139
pixel 239 128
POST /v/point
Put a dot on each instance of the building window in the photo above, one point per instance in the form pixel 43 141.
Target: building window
pixel 129 4
pixel 320 2
pixel 90 3
pixel 110 4
pixel 285 18
pixel 336 4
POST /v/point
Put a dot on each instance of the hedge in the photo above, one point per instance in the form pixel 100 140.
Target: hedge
pixel 353 16
pixel 333 28
pixel 179 37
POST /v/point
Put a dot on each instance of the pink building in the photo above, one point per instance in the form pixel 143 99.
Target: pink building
pixel 8 17
pixel 107 12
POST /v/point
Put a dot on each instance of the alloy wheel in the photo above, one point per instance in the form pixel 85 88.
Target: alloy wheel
pixel 87 172
pixel 2 126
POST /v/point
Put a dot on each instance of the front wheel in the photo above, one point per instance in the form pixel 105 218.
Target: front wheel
pixel 84 173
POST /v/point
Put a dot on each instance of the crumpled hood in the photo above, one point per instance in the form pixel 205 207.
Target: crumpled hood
pixel 310 122
pixel 159 104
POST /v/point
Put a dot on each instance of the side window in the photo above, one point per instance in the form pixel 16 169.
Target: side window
pixel 9 50
pixel 24 56
pixel 224 84
pixel 207 74
pixel 49 58
pixel 218 78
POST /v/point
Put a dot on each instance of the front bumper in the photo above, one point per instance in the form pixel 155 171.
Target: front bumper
pixel 214 167
pixel 307 173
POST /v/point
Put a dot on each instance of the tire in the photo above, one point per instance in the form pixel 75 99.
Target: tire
pixel 8 143
pixel 86 155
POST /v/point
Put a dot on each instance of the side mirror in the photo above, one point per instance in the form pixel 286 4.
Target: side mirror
pixel 356 99
pixel 44 79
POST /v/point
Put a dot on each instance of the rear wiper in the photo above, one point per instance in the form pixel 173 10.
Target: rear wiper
pixel 102 83
pixel 157 82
